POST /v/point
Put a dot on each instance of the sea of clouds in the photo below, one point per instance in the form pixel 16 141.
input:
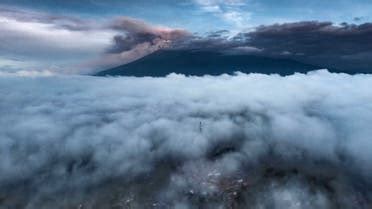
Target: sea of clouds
pixel 230 141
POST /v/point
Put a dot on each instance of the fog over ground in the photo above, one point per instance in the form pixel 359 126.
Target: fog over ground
pixel 241 141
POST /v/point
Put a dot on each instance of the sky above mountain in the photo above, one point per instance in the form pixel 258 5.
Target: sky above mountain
pixel 206 15
pixel 67 36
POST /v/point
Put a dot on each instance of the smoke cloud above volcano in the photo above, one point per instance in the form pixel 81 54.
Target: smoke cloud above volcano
pixel 259 141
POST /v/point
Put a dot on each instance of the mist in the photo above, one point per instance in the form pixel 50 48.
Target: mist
pixel 229 141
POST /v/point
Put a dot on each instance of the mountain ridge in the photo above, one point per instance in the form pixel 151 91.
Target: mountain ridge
pixel 199 63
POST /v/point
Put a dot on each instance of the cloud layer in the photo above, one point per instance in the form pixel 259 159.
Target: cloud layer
pixel 301 141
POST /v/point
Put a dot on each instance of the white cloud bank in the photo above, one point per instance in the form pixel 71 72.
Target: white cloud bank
pixel 41 40
pixel 301 141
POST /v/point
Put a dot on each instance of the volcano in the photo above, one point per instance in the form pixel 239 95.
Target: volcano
pixel 199 63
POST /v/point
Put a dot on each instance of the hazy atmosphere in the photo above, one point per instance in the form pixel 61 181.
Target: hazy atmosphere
pixel 190 104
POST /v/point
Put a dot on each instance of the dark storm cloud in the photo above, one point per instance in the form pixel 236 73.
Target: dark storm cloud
pixel 215 41
pixel 357 19
pixel 314 38
pixel 346 46
pixel 218 34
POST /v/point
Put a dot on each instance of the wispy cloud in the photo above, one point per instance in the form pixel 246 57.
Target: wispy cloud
pixel 230 11
pixel 48 39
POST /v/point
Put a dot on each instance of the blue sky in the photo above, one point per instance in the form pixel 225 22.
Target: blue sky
pixel 69 35
pixel 205 15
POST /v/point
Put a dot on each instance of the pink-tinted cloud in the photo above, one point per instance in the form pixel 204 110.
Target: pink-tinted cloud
pixel 136 39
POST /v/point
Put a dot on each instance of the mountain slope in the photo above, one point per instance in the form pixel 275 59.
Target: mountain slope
pixel 164 62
